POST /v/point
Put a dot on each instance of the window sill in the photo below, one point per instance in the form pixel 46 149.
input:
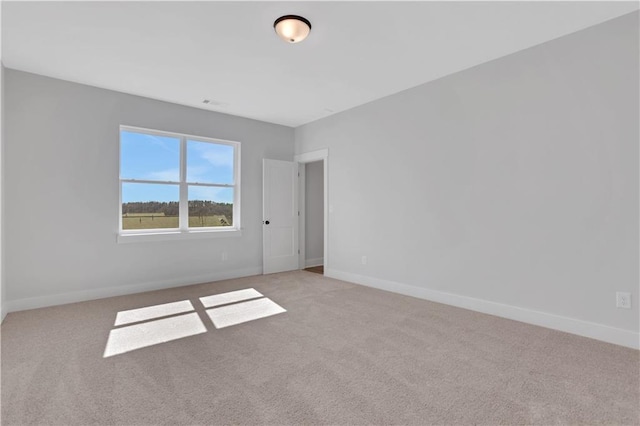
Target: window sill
pixel 142 237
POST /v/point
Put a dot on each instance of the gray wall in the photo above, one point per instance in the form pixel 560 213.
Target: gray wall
pixel 3 311
pixel 61 193
pixel 514 182
pixel 314 212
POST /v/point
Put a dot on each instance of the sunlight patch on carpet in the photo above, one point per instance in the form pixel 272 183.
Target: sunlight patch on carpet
pixel 239 313
pixel 151 325
pixel 152 312
pixel 126 339
pixel 230 297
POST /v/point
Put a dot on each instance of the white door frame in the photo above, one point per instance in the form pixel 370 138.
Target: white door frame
pixel 302 215
pixel 301 159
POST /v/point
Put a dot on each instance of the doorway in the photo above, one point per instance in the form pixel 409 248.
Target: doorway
pixel 313 219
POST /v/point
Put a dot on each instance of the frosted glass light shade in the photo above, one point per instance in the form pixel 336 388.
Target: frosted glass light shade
pixel 292 28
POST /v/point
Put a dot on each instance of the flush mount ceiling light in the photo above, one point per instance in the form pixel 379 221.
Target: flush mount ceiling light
pixel 292 28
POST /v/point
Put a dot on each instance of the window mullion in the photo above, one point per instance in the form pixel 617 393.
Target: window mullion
pixel 184 190
pixel 215 185
pixel 236 186
pixel 151 182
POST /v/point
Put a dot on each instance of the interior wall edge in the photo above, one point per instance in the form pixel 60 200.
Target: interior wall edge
pixel 616 336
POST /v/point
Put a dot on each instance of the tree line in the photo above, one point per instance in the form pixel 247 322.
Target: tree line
pixel 172 208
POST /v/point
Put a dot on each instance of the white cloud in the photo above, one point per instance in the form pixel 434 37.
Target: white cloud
pixel 215 155
pixel 161 142
pixel 164 175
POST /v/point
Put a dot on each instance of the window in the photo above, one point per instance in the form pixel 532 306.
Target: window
pixel 174 185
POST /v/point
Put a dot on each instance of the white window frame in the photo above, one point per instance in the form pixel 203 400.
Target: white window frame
pixel 183 231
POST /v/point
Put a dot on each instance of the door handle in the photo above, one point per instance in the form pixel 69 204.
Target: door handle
pixel 266 222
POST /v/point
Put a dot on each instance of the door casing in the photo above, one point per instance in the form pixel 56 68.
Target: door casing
pixel 311 157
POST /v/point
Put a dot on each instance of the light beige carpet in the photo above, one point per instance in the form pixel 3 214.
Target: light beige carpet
pixel 341 354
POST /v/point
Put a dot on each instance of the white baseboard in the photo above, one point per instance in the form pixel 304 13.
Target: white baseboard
pixel 3 313
pixel 101 293
pixel 618 336
pixel 319 261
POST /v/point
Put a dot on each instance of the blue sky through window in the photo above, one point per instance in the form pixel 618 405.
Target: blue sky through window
pixel 143 192
pixel 149 157
pixel 157 158
pixel 209 163
pixel 209 193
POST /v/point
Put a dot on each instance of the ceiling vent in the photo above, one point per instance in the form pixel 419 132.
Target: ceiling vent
pixel 211 102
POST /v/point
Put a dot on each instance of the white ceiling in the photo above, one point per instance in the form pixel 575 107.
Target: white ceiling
pixel 185 52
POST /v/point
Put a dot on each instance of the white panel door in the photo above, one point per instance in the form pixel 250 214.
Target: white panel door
pixel 280 215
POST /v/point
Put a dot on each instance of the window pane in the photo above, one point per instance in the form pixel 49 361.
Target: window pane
pixel 210 206
pixel 150 206
pixel 149 157
pixel 209 162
